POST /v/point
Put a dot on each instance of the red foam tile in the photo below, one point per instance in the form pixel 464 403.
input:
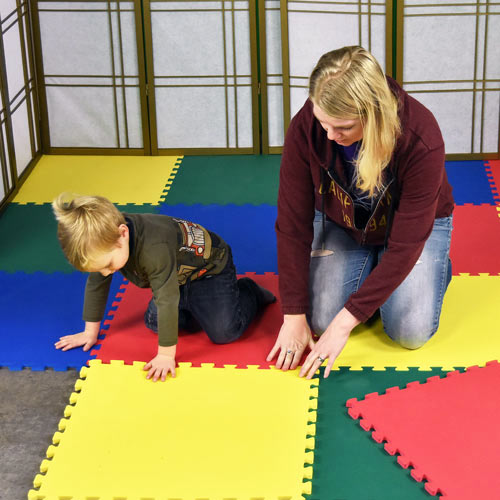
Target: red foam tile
pixel 128 338
pixel 446 429
pixel 493 173
pixel 475 240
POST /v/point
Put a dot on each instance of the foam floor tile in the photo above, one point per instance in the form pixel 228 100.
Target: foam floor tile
pixel 122 179
pixel 217 433
pixel 32 244
pixel 493 173
pixel 128 339
pixel 347 463
pixel 36 309
pixel 475 240
pixel 467 335
pixel 248 229
pixel 445 429
pixel 234 179
pixel 470 182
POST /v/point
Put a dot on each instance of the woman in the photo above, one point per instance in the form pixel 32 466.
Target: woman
pixel 364 213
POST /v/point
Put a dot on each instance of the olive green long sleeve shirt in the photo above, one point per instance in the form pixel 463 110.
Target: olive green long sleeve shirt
pixel 165 252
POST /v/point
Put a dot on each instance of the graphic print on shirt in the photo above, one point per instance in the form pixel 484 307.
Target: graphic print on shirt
pixel 195 239
pixel 378 219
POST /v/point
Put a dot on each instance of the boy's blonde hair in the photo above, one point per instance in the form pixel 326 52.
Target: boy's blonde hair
pixel 87 226
pixel 348 83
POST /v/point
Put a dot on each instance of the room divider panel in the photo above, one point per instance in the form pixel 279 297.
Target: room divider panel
pixel 19 138
pixel 90 62
pixel 202 68
pixel 449 59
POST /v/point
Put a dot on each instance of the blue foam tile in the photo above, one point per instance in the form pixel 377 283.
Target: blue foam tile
pixel 248 229
pixel 470 182
pixel 36 310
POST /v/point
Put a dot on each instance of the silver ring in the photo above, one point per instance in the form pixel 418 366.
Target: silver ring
pixel 321 359
pixel 289 352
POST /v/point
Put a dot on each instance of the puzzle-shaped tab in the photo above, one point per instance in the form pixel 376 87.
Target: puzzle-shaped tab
pixel 209 433
pixel 445 429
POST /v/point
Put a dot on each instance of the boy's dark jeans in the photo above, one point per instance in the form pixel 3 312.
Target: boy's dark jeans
pixel 221 305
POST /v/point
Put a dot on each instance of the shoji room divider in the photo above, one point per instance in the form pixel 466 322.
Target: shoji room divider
pixel 449 59
pixel 202 67
pixel 19 139
pixel 90 61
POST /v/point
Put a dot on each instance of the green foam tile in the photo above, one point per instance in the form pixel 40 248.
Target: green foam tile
pixel 238 179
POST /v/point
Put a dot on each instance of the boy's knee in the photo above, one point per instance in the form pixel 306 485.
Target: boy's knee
pixel 223 334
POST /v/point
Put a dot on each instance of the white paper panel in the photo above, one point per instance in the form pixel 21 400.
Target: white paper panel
pixel 134 118
pixel 21 132
pixel 311 35
pixel 7 159
pixel 242 36
pixel 453 112
pixel 448 51
pixel 245 139
pixel 493 49
pixel 298 97
pixel 191 117
pixel 13 61
pixel 75 43
pixel 127 41
pixel 187 43
pixel 81 117
pixel 273 40
pixel 377 40
pixel 491 131
pixel 83 48
pixel 6 7
pixel 275 115
pixel 188 53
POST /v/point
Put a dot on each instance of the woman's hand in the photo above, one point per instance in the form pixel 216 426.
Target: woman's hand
pixel 294 337
pixel 162 364
pixel 87 338
pixel 330 344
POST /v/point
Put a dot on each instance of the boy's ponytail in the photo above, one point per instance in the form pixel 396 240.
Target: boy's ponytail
pixel 87 226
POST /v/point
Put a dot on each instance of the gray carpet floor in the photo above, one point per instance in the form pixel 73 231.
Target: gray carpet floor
pixel 31 405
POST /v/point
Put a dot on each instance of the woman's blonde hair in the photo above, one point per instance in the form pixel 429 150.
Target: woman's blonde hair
pixel 87 226
pixel 349 83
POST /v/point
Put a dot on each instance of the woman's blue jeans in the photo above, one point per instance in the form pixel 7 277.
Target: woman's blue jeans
pixel 410 316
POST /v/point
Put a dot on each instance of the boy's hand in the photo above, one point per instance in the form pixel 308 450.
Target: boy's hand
pixel 86 339
pixel 159 367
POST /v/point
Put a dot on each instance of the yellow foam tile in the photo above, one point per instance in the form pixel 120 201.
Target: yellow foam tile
pixel 468 334
pixel 210 433
pixel 122 179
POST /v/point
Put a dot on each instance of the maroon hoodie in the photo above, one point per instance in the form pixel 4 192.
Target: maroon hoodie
pixel 416 187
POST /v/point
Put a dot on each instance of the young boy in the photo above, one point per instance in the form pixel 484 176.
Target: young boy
pixel 189 269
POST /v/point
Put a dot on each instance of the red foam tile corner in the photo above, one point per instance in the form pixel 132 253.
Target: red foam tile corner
pixel 475 240
pixel 128 339
pixel 446 430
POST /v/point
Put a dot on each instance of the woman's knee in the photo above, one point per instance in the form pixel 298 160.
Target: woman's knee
pixel 410 334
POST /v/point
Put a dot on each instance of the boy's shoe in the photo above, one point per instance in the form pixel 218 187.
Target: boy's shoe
pixel 264 296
